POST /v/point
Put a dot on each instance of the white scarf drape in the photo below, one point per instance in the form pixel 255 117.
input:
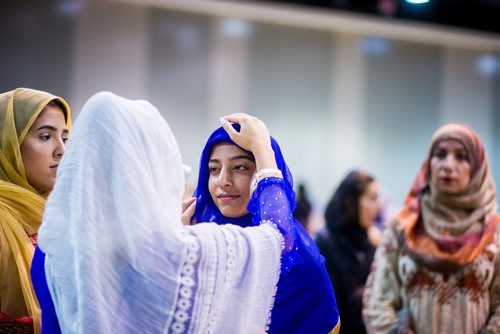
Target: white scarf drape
pixel 118 259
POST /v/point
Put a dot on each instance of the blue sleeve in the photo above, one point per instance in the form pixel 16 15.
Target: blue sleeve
pixel 50 324
pixel 270 203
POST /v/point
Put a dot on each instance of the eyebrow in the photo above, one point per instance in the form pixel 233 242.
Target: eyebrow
pixel 236 157
pixel 242 156
pixel 453 149
pixel 50 127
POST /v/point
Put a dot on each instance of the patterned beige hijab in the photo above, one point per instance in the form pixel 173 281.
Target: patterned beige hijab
pixel 451 228
pixel 21 207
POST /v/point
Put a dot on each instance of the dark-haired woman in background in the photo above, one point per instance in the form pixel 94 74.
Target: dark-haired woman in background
pixel 346 245
pixel 303 207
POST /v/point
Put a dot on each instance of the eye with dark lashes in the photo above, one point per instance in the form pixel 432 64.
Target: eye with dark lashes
pixel 462 156
pixel 440 154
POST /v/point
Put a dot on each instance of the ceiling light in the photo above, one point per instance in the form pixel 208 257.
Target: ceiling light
pixel 417 2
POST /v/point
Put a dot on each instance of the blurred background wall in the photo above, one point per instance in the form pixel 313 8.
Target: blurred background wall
pixel 338 90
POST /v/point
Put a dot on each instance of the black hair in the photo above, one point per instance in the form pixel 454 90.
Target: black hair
pixel 303 209
pixel 58 103
pixel 343 209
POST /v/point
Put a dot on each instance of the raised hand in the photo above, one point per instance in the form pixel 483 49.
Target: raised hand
pixel 253 132
pixel 253 136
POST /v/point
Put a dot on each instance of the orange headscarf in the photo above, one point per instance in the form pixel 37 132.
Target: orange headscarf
pixel 451 228
pixel 21 206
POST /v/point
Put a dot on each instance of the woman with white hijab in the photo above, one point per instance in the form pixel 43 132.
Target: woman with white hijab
pixel 119 260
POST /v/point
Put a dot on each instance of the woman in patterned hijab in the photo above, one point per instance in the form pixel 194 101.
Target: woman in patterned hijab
pixel 438 268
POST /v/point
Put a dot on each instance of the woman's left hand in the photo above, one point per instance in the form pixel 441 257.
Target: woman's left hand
pixel 188 208
pixel 253 134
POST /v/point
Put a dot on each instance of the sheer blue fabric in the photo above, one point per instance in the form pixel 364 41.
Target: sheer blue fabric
pixel 270 204
pixel 50 324
pixel 305 302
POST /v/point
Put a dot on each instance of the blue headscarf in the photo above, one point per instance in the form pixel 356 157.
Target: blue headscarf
pixel 206 211
pixel 304 302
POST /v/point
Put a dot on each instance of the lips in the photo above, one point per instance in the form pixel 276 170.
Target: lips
pixel 54 166
pixel 227 197
pixel 446 179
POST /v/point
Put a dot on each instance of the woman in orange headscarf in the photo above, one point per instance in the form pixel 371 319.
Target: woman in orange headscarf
pixel 438 267
pixel 33 130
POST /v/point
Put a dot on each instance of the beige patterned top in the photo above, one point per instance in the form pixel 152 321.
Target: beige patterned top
pixel 401 295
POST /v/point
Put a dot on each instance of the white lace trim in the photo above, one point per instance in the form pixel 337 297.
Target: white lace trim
pixel 185 296
pixel 274 226
pixel 231 264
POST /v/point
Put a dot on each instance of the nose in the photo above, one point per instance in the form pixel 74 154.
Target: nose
pixel 224 178
pixel 59 149
pixel 449 162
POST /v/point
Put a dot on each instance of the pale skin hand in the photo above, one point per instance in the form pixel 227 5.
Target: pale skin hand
pixel 188 207
pixel 253 137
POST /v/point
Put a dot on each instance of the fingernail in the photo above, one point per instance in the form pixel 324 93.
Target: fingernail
pixel 222 120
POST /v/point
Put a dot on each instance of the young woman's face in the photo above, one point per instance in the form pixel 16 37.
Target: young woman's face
pixel 231 170
pixel 369 205
pixel 450 167
pixel 43 147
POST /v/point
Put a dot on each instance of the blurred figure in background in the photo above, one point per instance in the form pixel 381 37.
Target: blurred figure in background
pixel 438 267
pixel 303 209
pixel 345 243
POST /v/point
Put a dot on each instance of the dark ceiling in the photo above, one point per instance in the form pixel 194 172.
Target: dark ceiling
pixel 483 15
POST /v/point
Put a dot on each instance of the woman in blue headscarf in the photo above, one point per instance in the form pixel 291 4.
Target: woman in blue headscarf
pixel 304 302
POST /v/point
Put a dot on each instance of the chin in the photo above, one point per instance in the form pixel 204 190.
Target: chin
pixel 449 191
pixel 445 188
pixel 231 213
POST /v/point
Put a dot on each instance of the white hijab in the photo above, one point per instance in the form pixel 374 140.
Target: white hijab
pixel 118 259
